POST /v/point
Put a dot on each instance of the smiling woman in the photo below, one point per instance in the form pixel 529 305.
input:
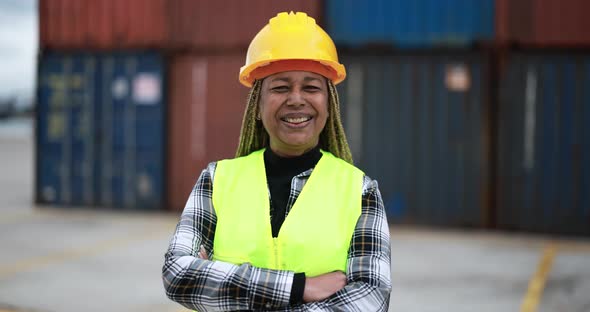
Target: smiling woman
pixel 289 224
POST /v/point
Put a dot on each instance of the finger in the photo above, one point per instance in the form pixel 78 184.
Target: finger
pixel 203 253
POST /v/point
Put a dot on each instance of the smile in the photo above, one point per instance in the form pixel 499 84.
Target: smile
pixel 296 120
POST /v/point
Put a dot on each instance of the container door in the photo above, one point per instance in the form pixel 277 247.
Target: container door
pixel 66 130
pixel 132 128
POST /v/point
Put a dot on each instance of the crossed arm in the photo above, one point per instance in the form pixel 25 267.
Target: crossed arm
pixel 200 284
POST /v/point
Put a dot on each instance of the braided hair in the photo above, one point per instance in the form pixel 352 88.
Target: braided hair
pixel 253 136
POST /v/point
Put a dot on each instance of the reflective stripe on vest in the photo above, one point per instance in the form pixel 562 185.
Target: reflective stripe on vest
pixel 315 236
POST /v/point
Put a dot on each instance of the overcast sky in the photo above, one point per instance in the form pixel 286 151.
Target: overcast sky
pixel 18 47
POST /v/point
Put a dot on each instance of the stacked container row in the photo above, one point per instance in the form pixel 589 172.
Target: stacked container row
pixel 158 24
pixel 224 24
pixel 100 126
pixel 423 123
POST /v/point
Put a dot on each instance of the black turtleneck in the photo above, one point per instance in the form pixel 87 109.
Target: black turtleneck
pixel 279 174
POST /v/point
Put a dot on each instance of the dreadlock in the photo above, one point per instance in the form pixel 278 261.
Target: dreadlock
pixel 254 137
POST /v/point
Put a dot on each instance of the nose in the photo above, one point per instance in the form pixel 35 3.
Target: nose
pixel 295 97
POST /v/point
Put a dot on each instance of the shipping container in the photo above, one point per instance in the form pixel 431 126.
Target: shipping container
pixel 418 124
pixel 410 24
pixel 544 23
pixel 100 130
pixel 105 24
pixel 544 144
pixel 205 115
pixel 163 24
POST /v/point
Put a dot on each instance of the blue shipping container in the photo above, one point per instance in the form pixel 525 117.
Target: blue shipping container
pixel 410 24
pixel 544 144
pixel 100 126
pixel 416 123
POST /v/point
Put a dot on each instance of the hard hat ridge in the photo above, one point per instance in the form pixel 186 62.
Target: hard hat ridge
pixel 291 20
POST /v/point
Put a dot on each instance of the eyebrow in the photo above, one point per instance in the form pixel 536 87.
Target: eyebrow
pixel 309 78
pixel 285 79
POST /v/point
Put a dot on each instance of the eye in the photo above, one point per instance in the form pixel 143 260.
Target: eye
pixel 280 89
pixel 312 88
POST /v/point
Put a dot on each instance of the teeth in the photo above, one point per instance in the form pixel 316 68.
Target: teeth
pixel 297 120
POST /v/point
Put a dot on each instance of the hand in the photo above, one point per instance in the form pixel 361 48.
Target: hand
pixel 203 253
pixel 320 287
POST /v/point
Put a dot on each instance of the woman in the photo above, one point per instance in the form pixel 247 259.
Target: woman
pixel 290 224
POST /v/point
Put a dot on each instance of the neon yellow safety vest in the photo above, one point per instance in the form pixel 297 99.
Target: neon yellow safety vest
pixel 315 236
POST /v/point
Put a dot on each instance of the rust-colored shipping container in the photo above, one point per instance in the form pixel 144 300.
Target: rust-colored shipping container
pixel 227 23
pixel 543 23
pixel 104 24
pixel 206 104
pixel 163 24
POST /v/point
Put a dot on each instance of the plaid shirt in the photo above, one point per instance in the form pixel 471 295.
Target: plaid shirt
pixel 205 285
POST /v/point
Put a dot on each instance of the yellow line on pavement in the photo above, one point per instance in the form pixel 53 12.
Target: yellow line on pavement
pixel 77 253
pixel 537 283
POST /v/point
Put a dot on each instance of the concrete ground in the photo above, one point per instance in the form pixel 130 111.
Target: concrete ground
pixel 83 260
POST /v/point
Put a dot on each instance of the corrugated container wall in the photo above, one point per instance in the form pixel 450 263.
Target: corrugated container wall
pixel 544 144
pixel 206 107
pixel 407 24
pixel 163 24
pixel 418 124
pixel 100 130
pixel 544 23
pixel 105 24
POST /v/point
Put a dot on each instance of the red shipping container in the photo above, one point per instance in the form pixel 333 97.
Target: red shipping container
pixel 206 105
pixel 543 23
pixel 104 24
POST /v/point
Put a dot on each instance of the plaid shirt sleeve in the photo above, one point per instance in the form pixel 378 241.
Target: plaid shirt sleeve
pixel 205 285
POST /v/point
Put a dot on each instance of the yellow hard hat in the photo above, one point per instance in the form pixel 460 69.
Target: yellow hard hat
pixel 291 41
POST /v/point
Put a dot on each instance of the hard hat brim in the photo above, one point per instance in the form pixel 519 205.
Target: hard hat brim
pixel 329 69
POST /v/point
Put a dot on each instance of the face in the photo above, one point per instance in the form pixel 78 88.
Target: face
pixel 294 110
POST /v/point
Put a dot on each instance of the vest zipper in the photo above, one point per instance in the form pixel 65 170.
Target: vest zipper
pixel 276 252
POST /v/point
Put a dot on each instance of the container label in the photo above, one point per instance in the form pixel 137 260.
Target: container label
pixel 147 89
pixel 457 78
pixel 120 88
